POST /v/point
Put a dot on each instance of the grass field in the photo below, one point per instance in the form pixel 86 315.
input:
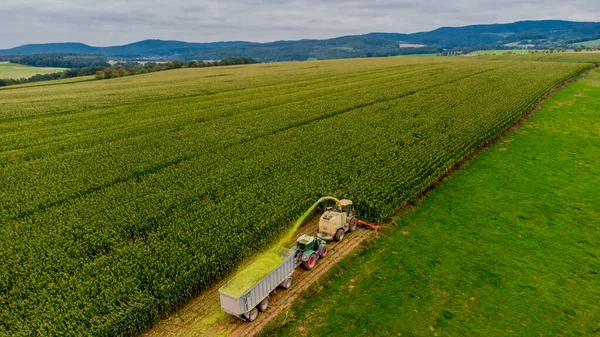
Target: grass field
pixel 50 83
pixel 583 57
pixel 501 52
pixel 17 71
pixel 592 43
pixel 508 246
pixel 122 198
pixel 418 55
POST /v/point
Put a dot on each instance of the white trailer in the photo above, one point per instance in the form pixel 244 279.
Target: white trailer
pixel 256 298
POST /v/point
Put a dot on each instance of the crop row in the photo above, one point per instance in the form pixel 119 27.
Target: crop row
pixel 77 97
pixel 103 236
pixel 29 187
pixel 585 57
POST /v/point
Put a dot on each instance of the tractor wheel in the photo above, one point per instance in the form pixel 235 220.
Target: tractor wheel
pixel 323 250
pixel 287 283
pixel 339 235
pixel 353 223
pixel 251 315
pixel 312 261
pixel 264 304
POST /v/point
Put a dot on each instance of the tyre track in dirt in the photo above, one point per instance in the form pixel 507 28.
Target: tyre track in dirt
pixel 202 315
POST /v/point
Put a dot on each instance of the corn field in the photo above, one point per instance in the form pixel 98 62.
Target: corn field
pixel 120 199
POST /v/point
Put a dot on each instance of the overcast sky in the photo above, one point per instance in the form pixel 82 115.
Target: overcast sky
pixel 116 22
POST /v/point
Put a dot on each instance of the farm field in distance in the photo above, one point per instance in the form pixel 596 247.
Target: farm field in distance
pixel 17 71
pixel 501 52
pixel 122 198
pixel 582 57
pixel 592 43
pixel 508 245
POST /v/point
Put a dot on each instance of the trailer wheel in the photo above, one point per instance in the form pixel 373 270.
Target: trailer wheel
pixel 287 283
pixel 339 235
pixel 251 315
pixel 312 261
pixel 264 304
pixel 353 224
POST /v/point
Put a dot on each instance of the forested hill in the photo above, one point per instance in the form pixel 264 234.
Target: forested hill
pixel 523 34
pixel 480 35
pixel 146 48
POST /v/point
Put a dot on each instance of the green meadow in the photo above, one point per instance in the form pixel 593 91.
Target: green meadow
pixel 507 246
pixel 592 43
pixel 17 71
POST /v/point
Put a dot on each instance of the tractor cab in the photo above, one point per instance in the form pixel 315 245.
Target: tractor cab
pixel 308 250
pixel 303 241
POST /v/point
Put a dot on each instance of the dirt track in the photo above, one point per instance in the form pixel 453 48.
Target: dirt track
pixel 202 316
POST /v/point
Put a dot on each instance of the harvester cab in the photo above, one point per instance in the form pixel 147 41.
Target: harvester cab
pixel 335 222
pixel 308 250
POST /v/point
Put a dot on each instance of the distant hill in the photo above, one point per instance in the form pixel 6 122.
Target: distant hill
pixel 541 34
pixel 476 35
pixel 146 48
pixel 51 48
pixel 341 47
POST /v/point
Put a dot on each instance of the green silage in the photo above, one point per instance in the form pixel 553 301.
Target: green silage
pixel 290 233
pixel 247 278
pixel 264 263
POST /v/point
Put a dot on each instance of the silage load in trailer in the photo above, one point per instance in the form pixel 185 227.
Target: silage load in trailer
pixel 256 271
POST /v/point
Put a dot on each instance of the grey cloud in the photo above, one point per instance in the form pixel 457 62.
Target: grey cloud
pixel 114 22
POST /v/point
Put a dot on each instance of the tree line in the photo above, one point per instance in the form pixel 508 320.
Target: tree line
pixel 338 48
pixel 59 60
pixel 126 69
pixel 135 68
pixel 52 76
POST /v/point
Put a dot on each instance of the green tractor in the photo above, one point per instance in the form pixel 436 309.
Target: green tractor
pixel 308 250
